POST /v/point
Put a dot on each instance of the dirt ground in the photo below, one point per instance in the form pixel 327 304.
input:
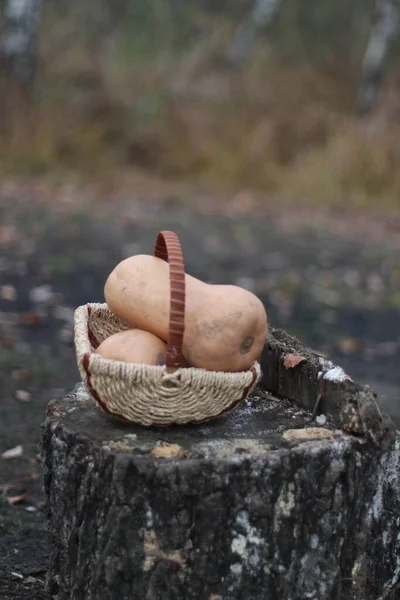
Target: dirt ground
pixel 331 279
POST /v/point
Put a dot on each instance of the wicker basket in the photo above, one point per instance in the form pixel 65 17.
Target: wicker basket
pixel 155 395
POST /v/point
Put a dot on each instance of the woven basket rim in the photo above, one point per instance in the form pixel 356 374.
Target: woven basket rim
pixel 162 368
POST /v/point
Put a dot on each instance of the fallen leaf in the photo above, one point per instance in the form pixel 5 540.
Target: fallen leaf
pixel 349 345
pixel 23 396
pixel 292 360
pixel 13 452
pixel 21 375
pixel 165 450
pixel 8 342
pixel 16 499
pixel 308 433
pixel 8 292
pixel 8 235
pixel 31 319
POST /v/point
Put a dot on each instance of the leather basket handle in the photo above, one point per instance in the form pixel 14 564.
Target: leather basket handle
pixel 168 248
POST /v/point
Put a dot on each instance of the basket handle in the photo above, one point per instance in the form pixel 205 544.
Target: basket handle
pixel 168 248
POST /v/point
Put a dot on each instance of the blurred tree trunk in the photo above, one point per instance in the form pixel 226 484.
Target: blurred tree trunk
pixel 382 32
pixel 18 58
pixel 18 44
pixel 262 13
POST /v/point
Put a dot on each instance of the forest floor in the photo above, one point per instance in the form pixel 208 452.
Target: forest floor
pixel 330 278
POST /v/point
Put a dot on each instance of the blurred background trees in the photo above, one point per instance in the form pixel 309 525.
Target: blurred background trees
pixel 298 99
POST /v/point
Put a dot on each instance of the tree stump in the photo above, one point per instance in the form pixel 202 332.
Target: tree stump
pixel 292 495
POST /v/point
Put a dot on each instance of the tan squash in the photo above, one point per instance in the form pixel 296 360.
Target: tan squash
pixel 225 325
pixel 134 346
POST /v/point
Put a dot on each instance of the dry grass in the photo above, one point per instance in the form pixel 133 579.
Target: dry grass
pixel 285 129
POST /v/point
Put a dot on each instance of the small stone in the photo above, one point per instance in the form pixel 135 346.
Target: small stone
pixel 321 419
pixel 13 452
pixel 336 374
pixel 23 396
pixel 64 313
pixel 42 294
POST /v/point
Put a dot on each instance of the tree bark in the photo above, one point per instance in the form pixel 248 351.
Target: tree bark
pixel 292 497
pixel 261 15
pixel 19 40
pixel 382 33
pixel 18 61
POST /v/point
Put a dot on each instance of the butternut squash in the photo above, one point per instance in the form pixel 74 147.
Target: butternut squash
pixel 134 346
pixel 225 325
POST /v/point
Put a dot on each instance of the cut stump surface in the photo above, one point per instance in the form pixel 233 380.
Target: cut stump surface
pixel 294 494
